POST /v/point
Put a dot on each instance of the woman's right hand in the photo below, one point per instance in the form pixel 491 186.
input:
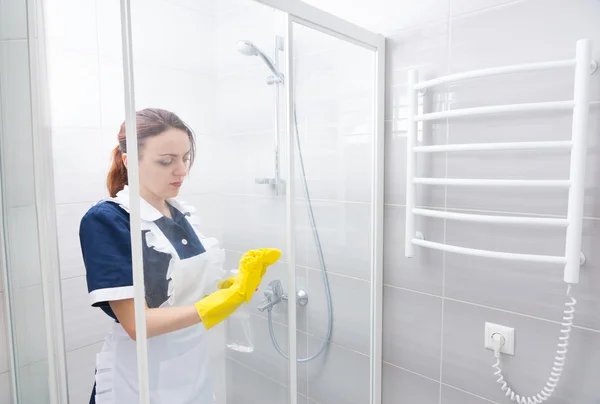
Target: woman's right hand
pixel 253 266
pixel 217 306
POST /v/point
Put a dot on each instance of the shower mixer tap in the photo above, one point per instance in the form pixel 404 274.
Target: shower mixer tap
pixel 275 295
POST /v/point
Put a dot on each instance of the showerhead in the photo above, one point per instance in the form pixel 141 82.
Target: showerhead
pixel 249 49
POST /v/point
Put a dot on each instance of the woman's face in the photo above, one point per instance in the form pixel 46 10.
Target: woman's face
pixel 164 163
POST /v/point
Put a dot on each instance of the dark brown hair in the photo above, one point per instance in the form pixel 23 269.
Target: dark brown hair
pixel 149 122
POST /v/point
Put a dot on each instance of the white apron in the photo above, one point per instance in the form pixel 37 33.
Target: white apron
pixel 178 362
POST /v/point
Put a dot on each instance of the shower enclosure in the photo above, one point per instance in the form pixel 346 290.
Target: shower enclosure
pixel 286 103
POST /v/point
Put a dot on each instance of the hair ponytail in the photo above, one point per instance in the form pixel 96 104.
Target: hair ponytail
pixel 117 175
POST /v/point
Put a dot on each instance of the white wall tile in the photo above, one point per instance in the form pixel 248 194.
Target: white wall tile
pixel 229 6
pixel 265 359
pixel 262 217
pixel 16 122
pixel 23 253
pixel 108 22
pixel 84 324
pixel 33 383
pixel 189 95
pixel 13 19
pixel 453 396
pixel 29 324
pixel 68 218
pixel 79 167
pixel 458 7
pixel 252 387
pixel 340 376
pixel 409 387
pixel 540 30
pixel 424 48
pixel 188 44
pixel 230 164
pixel 424 272
pixel 74 90
pixel 245 102
pixel 386 16
pixel 412 331
pixel 208 209
pixel 5 388
pixel 351 307
pixel 344 233
pixel 207 7
pixel 4 353
pixel 337 164
pixel 70 25
pixel 81 364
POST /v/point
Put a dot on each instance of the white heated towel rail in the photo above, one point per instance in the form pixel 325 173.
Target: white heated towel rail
pixel 583 67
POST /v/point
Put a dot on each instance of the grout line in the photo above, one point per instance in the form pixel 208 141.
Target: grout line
pixel 484 9
pixel 392 33
pixel 255 371
pixel 522 314
pixel 299 199
pixel 84 346
pixel 468 392
pixel 313 336
pixel 73 277
pixel 341 275
pixel 251 133
pixel 411 371
pixel 584 328
pixel 414 291
pixel 437 381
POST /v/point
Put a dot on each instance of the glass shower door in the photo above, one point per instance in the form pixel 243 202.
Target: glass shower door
pixel 333 131
pixel 206 67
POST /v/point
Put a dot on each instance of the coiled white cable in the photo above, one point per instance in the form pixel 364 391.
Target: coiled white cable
pixel 559 360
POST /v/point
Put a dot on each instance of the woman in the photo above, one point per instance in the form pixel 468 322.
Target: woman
pixel 181 272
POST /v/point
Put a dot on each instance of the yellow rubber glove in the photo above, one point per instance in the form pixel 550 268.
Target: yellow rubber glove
pixel 226 283
pixel 217 306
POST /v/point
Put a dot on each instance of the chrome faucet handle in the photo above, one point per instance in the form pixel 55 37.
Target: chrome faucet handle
pixel 277 289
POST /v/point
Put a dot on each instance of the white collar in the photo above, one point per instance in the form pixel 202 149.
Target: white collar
pixel 148 212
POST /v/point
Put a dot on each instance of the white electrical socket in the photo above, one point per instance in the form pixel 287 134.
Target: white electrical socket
pixel 507 332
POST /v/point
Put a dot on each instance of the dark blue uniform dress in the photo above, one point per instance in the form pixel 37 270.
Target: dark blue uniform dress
pixel 104 234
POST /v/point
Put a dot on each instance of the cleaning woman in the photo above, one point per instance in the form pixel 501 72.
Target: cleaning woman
pixel 185 292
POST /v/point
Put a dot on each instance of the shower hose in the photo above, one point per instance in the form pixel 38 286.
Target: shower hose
pixel 315 233
pixel 559 359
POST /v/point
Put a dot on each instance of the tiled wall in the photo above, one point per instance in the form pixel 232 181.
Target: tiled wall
pixel 435 304
pixel 21 247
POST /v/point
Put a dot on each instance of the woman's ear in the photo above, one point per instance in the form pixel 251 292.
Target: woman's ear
pixel 125 159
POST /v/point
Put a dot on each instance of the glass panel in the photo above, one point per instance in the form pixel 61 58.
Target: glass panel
pixel 202 77
pixel 334 134
pixel 23 320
